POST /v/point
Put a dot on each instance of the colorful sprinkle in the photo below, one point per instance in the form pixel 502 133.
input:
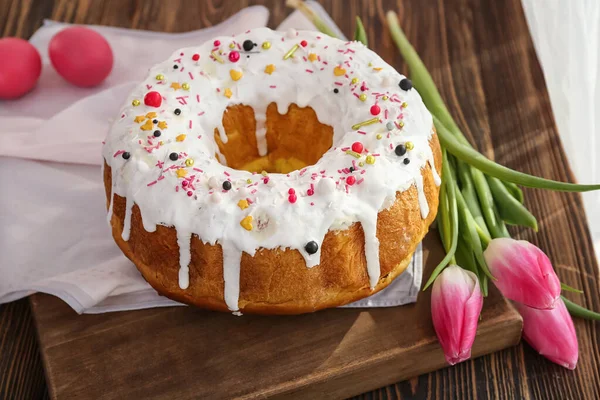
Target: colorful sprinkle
pixel 304 43
pixel 135 103
pixel 269 69
pixel 400 150
pixel 339 71
pixel 379 136
pixel 363 97
pixel 232 45
pixel 364 123
pixel 174 156
pixel 216 43
pixel 292 198
pixel 160 77
pixel 147 126
pixel 312 57
pixel 227 93
pixel 406 161
pixel 175 86
pixel 389 126
pixel 153 99
pixel 243 204
pixel 185 86
pixel 189 162
pixel 357 147
pixel 370 159
pixel 311 247
pixel 196 57
pixel 181 137
pixel 162 125
pixel 246 223
pixel 291 52
pixel 266 45
pixel 235 74
pixel 226 185
pixel 404 104
pixel 217 57
pixel 354 81
pixel 234 56
pixel 126 155
pixel 409 145
pixel 181 172
pixel 405 84
pixel 375 109
pixel 351 180
pixel 248 45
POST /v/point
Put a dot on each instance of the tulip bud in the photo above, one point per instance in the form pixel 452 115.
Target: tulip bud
pixel 523 272
pixel 456 302
pixel 551 333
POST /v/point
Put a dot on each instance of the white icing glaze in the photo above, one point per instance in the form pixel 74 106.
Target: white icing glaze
pixel 150 179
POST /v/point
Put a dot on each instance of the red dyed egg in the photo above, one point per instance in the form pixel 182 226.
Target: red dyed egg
pixel 80 55
pixel 20 68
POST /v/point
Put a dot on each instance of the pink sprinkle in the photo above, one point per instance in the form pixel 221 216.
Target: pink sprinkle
pixel 325 62
pixel 362 132
pixel 152 183
pixel 302 171
pixel 226 173
pixel 326 47
pixel 356 95
pixel 197 169
pixel 159 164
pixel 119 153
pixel 148 87
pixel 201 114
pixel 177 60
pixel 198 98
pixel 354 164
pixel 312 204
pixel 250 201
pixel 309 71
pixel 190 124
pixel 177 188
pixel 181 70
pixel 190 193
pixel 184 183
pixel 304 58
pixel 345 148
pixel 273 86
pixel 319 37
pixel 389 135
pixel 266 179
pixel 322 172
pixel 386 113
pixel 252 192
pixel 339 171
pixel 218 90
pixel 364 171
pixel 291 191
pixel 339 83
pixel 182 99
pixel 361 180
pixel 199 136
pixel 391 146
pixel 397 125
pixel 160 178
pixel 347 63
pixel 310 192
pixel 376 155
pixel 292 198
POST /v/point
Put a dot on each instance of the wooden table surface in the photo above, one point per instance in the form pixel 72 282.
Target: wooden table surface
pixel 481 55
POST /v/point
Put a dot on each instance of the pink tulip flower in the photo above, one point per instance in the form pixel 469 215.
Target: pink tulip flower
pixel 551 333
pixel 456 302
pixel 523 273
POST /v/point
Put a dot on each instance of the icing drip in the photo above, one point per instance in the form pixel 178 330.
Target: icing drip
pixel 185 256
pixel 381 139
pixel 232 258
pixel 369 225
pixel 127 222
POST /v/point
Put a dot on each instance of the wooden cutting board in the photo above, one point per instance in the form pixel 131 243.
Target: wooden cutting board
pixel 186 353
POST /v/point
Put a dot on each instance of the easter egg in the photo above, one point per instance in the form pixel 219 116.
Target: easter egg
pixel 20 67
pixel 80 55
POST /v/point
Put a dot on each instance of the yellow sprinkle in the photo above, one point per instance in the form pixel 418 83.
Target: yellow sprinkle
pixel 189 162
pixel 370 64
pixel 291 52
pixel 339 71
pixel 263 172
pixel 312 57
pixel 185 86
pixel 232 45
pixel 379 136
pixel 363 97
pixel 147 126
pixel 370 159
pixel 175 85
pixel 246 223
pixel 161 142
pixel 266 45
pixel 361 164
pixel 409 145
pixel 353 153
pixel 151 114
pixel 248 180
pixel 139 119
pixel 354 81
pixel 377 69
pixel 162 125
pixel 385 98
pixel 404 105
pixel 401 124
pixel 181 172
pixel 367 122
pixel 217 58
pixel 269 69
pixel 243 204
pixel 160 77
pixel 235 74
pixel 135 103
pixel 180 137
pixel 228 93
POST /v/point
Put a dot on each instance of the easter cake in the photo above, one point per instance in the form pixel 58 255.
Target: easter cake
pixel 272 173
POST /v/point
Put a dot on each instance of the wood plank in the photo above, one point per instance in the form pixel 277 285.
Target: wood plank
pixel 330 354
pixel 482 58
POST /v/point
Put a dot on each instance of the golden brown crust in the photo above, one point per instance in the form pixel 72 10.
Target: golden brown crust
pixel 276 281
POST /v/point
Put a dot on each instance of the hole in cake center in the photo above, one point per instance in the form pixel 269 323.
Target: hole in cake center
pixel 294 140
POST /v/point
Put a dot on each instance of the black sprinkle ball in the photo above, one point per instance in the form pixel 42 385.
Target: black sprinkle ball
pixel 406 161
pixel 177 111
pixel 227 185
pixel 157 133
pixel 405 84
pixel 126 155
pixel 174 156
pixel 248 45
pixel 311 247
pixel 400 150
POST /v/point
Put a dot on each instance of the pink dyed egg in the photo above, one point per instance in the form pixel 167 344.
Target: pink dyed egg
pixel 20 67
pixel 80 55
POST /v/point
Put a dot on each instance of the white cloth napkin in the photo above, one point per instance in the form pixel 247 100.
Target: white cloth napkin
pixel 53 232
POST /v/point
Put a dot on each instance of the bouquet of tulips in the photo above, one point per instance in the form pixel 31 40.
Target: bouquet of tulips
pixel 478 198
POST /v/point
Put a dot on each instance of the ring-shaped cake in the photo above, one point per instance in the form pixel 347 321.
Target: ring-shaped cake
pixel 272 173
